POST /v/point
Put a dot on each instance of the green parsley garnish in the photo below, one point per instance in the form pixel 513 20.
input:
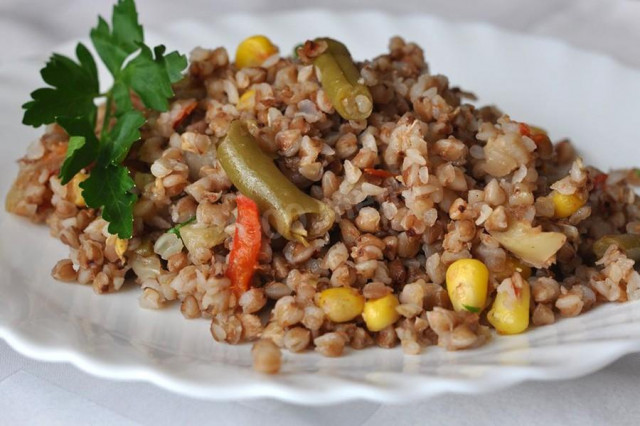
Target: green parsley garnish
pixel 472 309
pixel 176 229
pixel 295 50
pixel 637 171
pixel 70 101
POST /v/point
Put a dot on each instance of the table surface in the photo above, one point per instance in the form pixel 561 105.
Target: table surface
pixel 33 392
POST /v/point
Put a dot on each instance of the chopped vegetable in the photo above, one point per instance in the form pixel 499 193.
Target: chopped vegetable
pixel 628 243
pixel 70 102
pixel 246 100
pixel 121 247
pixel 341 81
pixel 378 173
pixel 176 229
pixel 74 192
pixel 566 205
pixel 467 283
pixel 257 177
pixel 379 314
pixel 341 304
pixel 253 51
pixel 512 265
pixel 243 257
pixel 600 180
pixel 196 236
pixel 294 54
pixel 167 245
pixel 530 244
pixel 510 311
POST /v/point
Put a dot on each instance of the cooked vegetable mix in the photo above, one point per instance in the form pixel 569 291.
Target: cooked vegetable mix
pixel 341 80
pixel 341 304
pixel 467 283
pixel 316 202
pixel 381 313
pixel 256 176
pixel 253 51
pixel 247 240
pixel 629 243
pixel 510 311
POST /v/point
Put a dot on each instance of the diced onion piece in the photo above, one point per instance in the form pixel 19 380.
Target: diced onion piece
pixel 195 236
pixel 168 245
pixel 531 244
pixel 146 267
pixel 504 154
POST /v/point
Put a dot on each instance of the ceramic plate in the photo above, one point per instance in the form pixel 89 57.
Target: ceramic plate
pixel 589 98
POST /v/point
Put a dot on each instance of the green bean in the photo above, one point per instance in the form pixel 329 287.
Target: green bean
pixel 340 79
pixel 255 175
pixel 628 243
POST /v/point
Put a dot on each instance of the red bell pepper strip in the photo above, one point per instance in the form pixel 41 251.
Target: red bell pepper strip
pixel 600 181
pixel 525 130
pixel 243 258
pixel 378 173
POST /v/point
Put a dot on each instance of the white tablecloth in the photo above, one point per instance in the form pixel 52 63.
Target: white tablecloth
pixel 33 392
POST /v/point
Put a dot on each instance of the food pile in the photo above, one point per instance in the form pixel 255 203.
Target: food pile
pixel 312 202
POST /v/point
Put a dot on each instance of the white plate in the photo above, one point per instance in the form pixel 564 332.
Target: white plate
pixel 572 93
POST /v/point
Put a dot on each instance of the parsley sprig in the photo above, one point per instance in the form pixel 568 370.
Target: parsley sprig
pixel 70 101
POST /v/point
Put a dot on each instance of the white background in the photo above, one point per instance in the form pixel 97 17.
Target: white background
pixel 33 392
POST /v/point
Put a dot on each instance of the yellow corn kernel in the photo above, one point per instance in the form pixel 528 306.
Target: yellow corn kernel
pixel 74 192
pixel 510 311
pixel 246 101
pixel 380 313
pixel 513 265
pixel 341 304
pixel 467 283
pixel 121 247
pixel 566 205
pixel 253 51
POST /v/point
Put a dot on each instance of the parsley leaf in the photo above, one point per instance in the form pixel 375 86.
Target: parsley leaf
pixel 151 77
pixel 472 309
pixel 122 136
pixel 121 96
pixel 69 100
pixel 114 45
pixel 83 146
pixel 110 188
pixel 176 229
pixel 74 86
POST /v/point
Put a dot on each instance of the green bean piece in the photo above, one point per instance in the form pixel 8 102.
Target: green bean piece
pixel 340 79
pixel 628 243
pixel 255 175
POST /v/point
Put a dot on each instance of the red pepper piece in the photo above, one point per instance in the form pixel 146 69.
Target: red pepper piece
pixel 184 113
pixel 243 258
pixel 525 130
pixel 600 180
pixel 378 173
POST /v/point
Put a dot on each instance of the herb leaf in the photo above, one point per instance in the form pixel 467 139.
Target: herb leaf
pixel 123 134
pixel 151 77
pixel 74 86
pixel 115 44
pixel 471 309
pixel 82 148
pixel 110 188
pixel 69 100
pixel 176 229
